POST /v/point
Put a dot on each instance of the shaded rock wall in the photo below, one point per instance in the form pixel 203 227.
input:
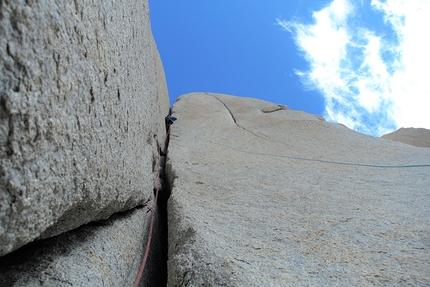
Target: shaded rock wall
pixel 266 196
pixel 82 102
pixel 104 253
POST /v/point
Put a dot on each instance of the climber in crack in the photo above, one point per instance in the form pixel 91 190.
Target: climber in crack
pixel 169 120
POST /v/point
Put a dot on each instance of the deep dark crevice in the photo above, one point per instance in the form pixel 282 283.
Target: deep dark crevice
pixel 155 273
pixel 42 252
pixel 39 252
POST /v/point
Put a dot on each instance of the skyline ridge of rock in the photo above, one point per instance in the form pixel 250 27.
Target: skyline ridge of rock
pixel 285 198
pixel 261 195
pixel 419 137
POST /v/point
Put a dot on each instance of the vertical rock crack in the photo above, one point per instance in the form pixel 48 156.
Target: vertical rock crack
pixel 235 121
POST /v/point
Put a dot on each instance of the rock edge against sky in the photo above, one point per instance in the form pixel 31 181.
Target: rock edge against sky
pixel 266 196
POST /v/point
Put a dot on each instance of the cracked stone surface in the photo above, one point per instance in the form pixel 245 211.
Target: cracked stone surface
pixel 104 253
pixel 412 136
pixel 82 105
pixel 266 196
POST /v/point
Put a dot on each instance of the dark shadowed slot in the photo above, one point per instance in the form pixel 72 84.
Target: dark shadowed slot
pixel 39 255
pixel 155 273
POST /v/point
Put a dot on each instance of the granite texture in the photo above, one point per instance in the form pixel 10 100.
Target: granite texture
pixel 266 196
pixel 82 105
pixel 417 137
pixel 104 253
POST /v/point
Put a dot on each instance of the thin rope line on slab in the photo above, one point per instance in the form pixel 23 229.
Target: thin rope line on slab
pixel 321 160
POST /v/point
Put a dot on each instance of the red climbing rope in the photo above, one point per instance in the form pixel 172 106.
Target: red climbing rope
pixel 153 209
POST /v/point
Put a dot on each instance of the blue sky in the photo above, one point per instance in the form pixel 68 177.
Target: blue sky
pixel 360 63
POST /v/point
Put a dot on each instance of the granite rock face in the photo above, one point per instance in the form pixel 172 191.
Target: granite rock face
pixel 412 136
pixel 266 196
pixel 105 253
pixel 82 105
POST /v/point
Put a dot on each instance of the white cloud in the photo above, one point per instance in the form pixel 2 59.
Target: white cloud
pixel 371 83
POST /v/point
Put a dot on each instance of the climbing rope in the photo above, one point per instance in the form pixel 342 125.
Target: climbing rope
pixel 169 121
pixel 320 160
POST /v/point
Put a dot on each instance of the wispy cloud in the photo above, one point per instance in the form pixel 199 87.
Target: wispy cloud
pixel 371 82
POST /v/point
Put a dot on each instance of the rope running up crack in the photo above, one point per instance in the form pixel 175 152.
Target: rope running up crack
pixel 153 208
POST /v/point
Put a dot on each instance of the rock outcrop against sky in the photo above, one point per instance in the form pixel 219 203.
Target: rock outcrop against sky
pixel 266 196
pixel 416 137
